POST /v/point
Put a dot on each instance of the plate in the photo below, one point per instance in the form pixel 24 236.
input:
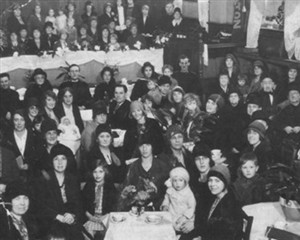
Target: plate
pixel 118 218
pixel 154 219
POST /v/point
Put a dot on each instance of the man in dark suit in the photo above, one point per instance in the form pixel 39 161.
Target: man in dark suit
pixel 186 79
pixel 119 109
pixel 270 97
pixel 82 96
pixel 9 99
pixel 165 21
pixel 146 24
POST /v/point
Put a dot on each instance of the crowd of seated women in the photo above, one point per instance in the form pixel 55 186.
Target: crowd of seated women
pixel 208 159
pixel 198 157
pixel 120 27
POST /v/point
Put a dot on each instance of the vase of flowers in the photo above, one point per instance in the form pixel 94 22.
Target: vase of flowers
pixel 138 198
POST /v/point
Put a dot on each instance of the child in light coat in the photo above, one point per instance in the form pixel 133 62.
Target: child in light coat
pixel 179 200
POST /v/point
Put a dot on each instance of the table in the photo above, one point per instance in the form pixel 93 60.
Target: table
pixel 136 228
pixel 268 214
pixel 128 63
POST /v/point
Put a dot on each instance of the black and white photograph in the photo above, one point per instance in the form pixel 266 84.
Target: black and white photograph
pixel 149 119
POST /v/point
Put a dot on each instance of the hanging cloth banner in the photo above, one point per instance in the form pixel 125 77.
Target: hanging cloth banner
pixel 239 18
pixel 292 28
pixel 257 8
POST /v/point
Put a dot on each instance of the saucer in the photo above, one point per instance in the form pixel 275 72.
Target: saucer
pixel 117 218
pixel 153 219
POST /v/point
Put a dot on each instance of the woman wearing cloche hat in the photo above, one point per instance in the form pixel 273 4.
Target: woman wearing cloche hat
pixel 58 197
pixel 141 125
pixel 259 144
pixel 221 219
pixel 40 84
pixel 14 219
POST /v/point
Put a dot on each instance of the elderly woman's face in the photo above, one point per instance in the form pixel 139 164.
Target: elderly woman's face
pixel 216 185
pixel 104 139
pixel 20 205
pixel 50 103
pixel 68 98
pixel 19 122
pixel 60 163
pixel 51 137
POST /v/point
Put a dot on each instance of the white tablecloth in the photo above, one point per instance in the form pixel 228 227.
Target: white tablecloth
pixel 268 214
pixel 91 63
pixel 81 57
pixel 136 228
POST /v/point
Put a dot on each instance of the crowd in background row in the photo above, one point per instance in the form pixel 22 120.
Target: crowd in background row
pixel 120 27
pixel 214 154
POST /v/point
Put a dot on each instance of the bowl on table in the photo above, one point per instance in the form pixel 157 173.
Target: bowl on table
pixel 153 218
pixel 118 218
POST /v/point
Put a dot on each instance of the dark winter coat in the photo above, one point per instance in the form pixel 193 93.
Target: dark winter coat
pixel 132 136
pixel 119 118
pixel 109 197
pixel 225 222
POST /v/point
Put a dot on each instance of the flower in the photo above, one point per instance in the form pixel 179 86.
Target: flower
pixel 139 195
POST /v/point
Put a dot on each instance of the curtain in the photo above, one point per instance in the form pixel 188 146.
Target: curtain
pixel 292 28
pixel 257 8
pixel 203 10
